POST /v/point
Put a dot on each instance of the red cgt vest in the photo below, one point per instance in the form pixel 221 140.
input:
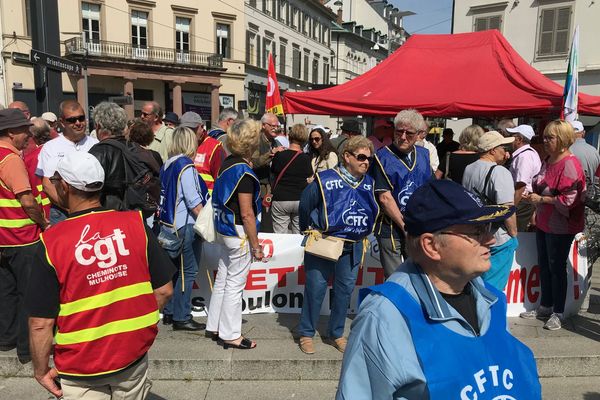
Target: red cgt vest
pixel 204 156
pixel 108 312
pixel 16 228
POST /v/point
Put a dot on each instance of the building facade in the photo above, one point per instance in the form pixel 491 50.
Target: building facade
pixel 298 35
pixel 184 54
pixel 541 32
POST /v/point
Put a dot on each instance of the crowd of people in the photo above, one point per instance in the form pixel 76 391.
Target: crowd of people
pixel 446 219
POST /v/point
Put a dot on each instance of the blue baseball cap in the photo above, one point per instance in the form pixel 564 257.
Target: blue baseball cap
pixel 439 204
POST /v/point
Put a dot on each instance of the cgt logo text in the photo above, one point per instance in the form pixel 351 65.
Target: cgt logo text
pixel 102 249
pixel 494 379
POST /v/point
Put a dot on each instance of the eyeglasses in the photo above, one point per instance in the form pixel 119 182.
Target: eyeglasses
pixel 315 139
pixel 274 126
pixel 549 138
pixel 72 120
pixel 361 157
pixel 405 131
pixel 145 114
pixel 481 233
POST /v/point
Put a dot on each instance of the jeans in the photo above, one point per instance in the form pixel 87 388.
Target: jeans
pixel 180 305
pixel 392 253
pixel 318 271
pixel 553 253
pixel 502 258
pixel 15 268
pixel 285 216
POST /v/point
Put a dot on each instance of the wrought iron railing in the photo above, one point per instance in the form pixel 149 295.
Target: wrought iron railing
pixel 126 51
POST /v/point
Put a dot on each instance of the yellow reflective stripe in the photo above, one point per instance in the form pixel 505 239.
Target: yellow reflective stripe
pixel 104 299
pixel 15 223
pixel 40 188
pixel 45 201
pixel 207 178
pixel 9 203
pixel 111 328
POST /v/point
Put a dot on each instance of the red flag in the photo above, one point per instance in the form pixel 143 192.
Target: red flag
pixel 273 101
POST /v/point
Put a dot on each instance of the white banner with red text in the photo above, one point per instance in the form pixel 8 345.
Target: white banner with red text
pixel 278 285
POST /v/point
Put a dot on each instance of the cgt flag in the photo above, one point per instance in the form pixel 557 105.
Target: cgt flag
pixel 273 101
pixel 571 93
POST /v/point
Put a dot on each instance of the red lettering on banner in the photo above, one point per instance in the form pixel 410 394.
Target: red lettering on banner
pixel 359 277
pixel 256 276
pixel 281 272
pixel 515 286
pixel 533 283
pixel 268 247
pixel 379 277
pixel 301 275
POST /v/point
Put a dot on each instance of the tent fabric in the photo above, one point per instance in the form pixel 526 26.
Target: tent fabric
pixel 460 75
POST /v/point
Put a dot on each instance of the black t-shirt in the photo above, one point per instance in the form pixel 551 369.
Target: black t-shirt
pixel 443 148
pixel 293 181
pixel 457 164
pixel 246 185
pixel 464 303
pixel 42 297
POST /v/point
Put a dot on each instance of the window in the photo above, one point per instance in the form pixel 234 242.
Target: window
pixel 488 22
pixel 252 3
pixel 306 66
pixel 282 59
pixel 139 34
pixel 315 71
pixel 223 42
pixel 90 24
pixel 296 63
pixel 554 31
pixel 294 23
pixel 325 71
pixel 267 44
pixel 27 18
pixel 250 48
pixel 182 34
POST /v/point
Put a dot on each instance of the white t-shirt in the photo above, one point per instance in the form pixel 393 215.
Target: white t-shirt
pixel 56 149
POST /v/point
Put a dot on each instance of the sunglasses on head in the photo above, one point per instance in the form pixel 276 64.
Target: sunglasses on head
pixel 72 120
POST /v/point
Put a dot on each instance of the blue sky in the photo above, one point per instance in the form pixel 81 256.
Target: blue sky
pixel 433 16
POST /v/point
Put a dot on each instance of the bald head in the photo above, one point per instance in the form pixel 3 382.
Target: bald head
pixel 20 105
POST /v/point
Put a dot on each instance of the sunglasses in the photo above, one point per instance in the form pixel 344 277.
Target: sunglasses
pixel 405 131
pixel 361 157
pixel 145 114
pixel 315 139
pixel 72 120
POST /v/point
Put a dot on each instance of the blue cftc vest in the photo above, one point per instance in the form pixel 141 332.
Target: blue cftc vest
pixel 492 366
pixel 170 179
pixel 350 211
pixel 404 179
pixel 225 187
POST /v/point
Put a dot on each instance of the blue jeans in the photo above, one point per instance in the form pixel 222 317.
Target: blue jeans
pixel 502 260
pixel 553 253
pixel 180 305
pixel 318 271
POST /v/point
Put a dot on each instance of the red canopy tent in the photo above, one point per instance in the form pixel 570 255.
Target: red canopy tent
pixel 460 75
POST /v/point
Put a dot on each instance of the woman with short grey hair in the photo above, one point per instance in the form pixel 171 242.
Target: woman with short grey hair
pixel 454 164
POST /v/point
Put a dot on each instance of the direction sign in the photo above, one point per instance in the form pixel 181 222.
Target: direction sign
pixel 54 62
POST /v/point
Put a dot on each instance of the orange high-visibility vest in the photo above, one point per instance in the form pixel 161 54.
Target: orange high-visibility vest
pixel 204 156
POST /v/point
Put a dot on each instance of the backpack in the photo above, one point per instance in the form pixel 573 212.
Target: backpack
pixel 141 188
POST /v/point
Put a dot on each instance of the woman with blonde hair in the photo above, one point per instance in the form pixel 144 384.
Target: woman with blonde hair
pixel 558 194
pixel 454 164
pixel 183 193
pixel 237 206
pixel 292 171
pixel 340 204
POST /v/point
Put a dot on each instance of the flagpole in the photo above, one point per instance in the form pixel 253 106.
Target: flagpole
pixel 571 90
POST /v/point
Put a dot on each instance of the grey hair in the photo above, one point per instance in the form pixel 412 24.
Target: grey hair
pixel 410 117
pixel 110 117
pixel 469 137
pixel 266 116
pixel 228 113
pixel 40 131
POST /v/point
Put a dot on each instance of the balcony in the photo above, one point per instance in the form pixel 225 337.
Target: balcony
pixel 104 50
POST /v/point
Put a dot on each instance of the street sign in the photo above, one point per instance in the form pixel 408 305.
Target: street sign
pixel 54 62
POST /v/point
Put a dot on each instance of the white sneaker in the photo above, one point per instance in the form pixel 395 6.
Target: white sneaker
pixel 554 323
pixel 540 312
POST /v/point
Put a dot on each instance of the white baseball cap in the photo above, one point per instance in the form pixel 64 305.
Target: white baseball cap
pixel 577 126
pixel 82 171
pixel 524 130
pixel 49 116
pixel 492 139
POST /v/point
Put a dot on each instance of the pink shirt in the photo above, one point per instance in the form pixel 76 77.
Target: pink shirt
pixel 525 165
pixel 565 181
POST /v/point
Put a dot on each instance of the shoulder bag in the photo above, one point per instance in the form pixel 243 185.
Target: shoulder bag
pixel 327 247
pixel 268 199
pixel 205 223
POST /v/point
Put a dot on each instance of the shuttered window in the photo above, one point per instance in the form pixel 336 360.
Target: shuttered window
pixel 555 24
pixel 488 22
